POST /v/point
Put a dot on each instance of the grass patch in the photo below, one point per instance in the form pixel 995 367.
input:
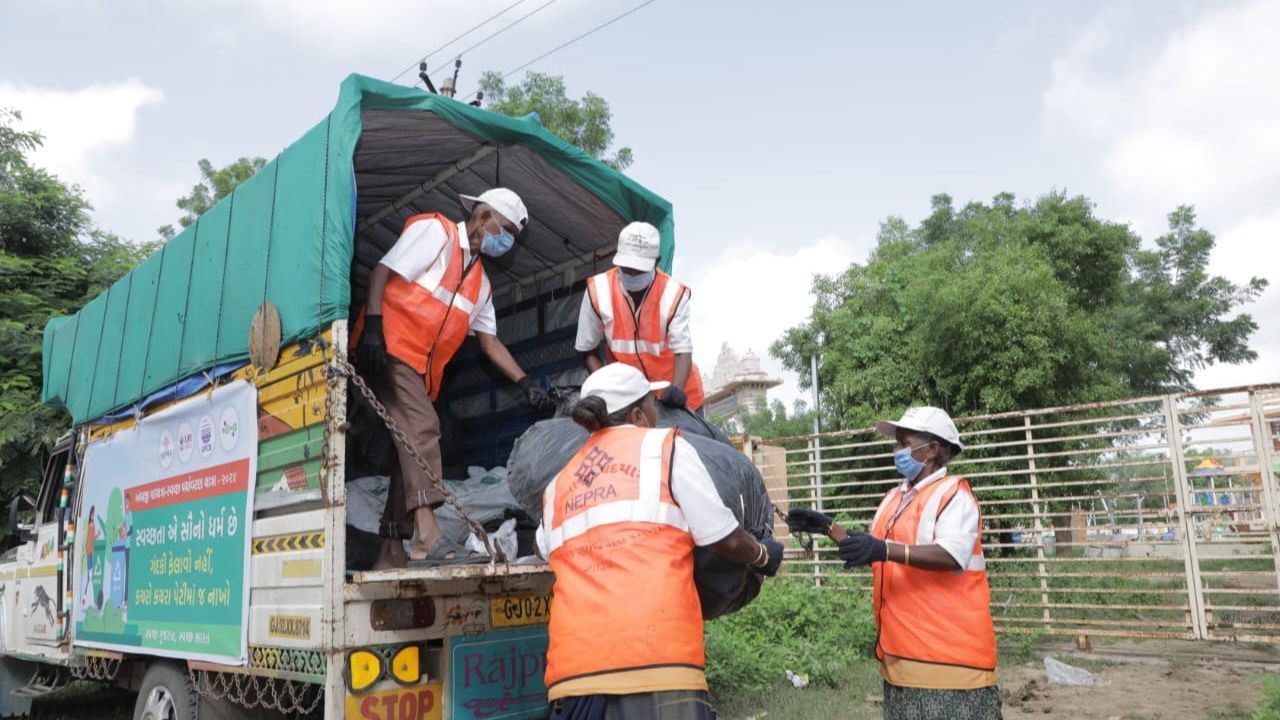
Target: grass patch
pixel 847 700
pixel 792 626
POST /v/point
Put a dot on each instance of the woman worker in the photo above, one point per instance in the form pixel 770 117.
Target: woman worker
pixel 935 641
pixel 619 524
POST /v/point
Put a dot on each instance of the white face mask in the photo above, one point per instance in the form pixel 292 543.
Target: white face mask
pixel 636 283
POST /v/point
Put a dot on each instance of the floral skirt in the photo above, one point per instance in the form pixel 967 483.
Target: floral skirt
pixel 904 703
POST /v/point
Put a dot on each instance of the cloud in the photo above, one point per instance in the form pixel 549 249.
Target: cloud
pixel 329 26
pixel 1192 120
pixel 749 301
pixel 81 127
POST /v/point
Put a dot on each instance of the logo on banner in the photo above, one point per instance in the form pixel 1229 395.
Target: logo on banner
pixel 205 433
pixel 186 442
pixel 166 449
pixel 229 429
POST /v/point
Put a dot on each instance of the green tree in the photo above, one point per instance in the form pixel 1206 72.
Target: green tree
pixel 216 183
pixel 585 122
pixel 773 420
pixel 52 261
pixel 1001 307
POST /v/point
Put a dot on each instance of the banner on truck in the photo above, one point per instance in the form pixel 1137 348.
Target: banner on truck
pixel 163 530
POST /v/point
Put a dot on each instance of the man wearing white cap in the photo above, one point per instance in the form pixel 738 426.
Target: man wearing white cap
pixel 425 297
pixel 619 524
pixel 642 316
pixel 936 641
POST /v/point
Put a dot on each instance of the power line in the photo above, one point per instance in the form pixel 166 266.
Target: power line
pixel 566 44
pixel 473 28
pixel 514 23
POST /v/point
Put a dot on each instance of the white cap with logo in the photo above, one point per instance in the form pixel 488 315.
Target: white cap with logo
pixel 619 385
pixel 505 202
pixel 638 247
pixel 932 420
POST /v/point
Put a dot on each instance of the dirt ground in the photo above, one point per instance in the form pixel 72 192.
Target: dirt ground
pixel 1146 681
pixel 1151 680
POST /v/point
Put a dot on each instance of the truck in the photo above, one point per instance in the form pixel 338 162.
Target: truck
pixel 190 537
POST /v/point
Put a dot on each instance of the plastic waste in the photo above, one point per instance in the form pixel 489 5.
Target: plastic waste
pixel 504 539
pixel 1061 673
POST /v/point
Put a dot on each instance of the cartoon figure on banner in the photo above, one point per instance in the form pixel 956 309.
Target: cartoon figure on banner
pixel 106 562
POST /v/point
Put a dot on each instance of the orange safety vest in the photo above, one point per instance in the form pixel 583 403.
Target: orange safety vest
pixel 930 616
pixel 623 561
pixel 426 319
pixel 639 338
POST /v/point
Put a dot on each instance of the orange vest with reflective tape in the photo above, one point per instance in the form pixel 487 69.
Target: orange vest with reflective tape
pixel 425 320
pixel 930 616
pixel 640 338
pixel 623 561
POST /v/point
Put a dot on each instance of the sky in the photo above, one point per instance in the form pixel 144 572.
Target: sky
pixel 782 133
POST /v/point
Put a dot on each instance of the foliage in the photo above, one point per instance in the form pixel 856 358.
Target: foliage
pixel 585 122
pixel 774 421
pixel 1270 709
pixel 215 185
pixel 790 626
pixel 997 307
pixel 52 261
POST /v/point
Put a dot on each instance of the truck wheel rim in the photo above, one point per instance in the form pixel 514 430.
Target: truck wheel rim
pixel 159 705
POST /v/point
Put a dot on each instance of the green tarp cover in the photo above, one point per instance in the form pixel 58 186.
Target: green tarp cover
pixel 288 235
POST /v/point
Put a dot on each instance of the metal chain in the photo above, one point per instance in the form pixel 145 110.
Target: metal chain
pixel 344 367
pixel 251 691
pixel 96 668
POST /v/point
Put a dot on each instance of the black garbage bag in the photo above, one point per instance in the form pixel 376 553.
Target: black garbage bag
pixel 723 586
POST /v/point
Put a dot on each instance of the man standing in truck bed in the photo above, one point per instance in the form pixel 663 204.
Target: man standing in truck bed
pixel 425 296
pixel 642 315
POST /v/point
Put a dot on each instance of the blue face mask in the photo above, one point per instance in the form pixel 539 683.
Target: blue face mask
pixel 908 466
pixel 635 283
pixel 497 245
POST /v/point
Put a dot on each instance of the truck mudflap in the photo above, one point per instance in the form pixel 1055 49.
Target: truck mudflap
pixel 493 675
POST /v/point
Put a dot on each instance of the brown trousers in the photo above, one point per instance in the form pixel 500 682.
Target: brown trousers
pixel 404 394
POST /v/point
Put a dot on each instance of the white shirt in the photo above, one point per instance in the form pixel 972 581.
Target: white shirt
pixel 591 328
pixel 956 530
pixel 709 520
pixel 414 255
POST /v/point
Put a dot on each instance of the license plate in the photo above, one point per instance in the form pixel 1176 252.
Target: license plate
pixel 520 610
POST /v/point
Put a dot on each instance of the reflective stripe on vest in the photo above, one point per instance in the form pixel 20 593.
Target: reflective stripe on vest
pixel 425 320
pixel 647 507
pixel 640 337
pixel 622 557
pixel 929 615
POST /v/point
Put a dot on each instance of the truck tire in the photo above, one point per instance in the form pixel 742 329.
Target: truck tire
pixel 166 694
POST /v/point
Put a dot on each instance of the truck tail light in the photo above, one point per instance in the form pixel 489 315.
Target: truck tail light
pixel 406 665
pixel 364 668
pixel 402 614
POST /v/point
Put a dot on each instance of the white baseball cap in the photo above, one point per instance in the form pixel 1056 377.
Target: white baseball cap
pixel 638 247
pixel 932 420
pixel 505 202
pixel 619 385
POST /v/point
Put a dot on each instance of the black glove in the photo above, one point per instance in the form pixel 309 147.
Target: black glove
pixel 674 396
pixel 860 549
pixel 773 549
pixel 537 398
pixel 808 521
pixel 371 351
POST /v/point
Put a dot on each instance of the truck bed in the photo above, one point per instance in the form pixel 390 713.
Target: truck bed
pixel 468 571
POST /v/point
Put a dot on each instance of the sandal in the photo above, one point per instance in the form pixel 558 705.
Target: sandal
pixel 447 552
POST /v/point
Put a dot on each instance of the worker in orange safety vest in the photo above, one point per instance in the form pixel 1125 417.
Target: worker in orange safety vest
pixel 426 295
pixel 619 526
pixel 936 641
pixel 641 315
